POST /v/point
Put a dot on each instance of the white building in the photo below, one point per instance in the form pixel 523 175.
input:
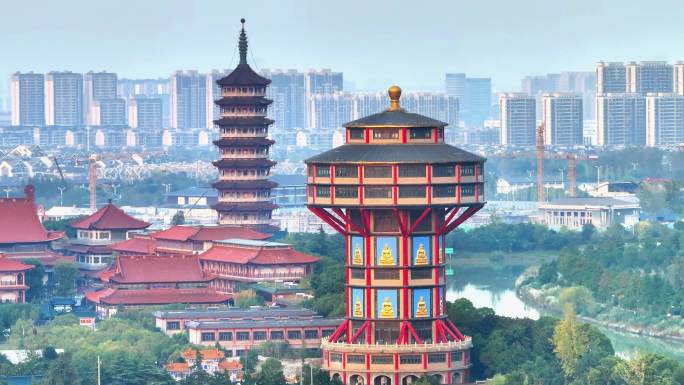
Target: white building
pixel 620 120
pixel 63 99
pixel 664 119
pixel 573 213
pixel 28 95
pixel 562 113
pixel 518 119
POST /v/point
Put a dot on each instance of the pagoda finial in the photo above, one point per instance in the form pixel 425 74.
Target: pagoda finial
pixel 394 94
pixel 243 43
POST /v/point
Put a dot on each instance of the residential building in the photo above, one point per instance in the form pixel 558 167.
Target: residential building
pixel 211 361
pixel 329 111
pixel 64 99
pixel 678 78
pixel 98 86
pixel 574 213
pixel 649 76
pixel 323 82
pixel 145 113
pixel 518 119
pixel 620 120
pixel 476 107
pixel 611 77
pixel 664 119
pixel 28 96
pixel 288 92
pixel 108 112
pixel 188 100
pixel 455 85
pixel 13 280
pixel 213 112
pixel 562 113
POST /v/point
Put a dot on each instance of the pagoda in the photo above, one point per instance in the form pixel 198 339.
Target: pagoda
pixel 244 191
pixel 394 190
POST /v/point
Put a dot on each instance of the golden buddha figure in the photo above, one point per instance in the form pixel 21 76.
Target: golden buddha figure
pixel 357 256
pixel 421 257
pixel 386 258
pixel 421 310
pixel 357 308
pixel 387 309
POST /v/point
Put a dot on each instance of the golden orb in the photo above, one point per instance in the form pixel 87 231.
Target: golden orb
pixel 394 93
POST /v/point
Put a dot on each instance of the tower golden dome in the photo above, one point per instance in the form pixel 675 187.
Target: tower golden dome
pixel 394 93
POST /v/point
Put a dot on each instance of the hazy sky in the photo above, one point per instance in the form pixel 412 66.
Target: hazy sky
pixel 374 42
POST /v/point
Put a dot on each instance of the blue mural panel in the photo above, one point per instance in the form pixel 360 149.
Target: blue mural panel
pixel 421 250
pixel 386 251
pixel 422 303
pixel 358 303
pixel 386 304
pixel 357 251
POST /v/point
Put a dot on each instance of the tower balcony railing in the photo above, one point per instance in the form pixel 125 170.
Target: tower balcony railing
pixel 443 347
pixel 242 114
pixel 244 156
pixel 229 199
pixel 382 202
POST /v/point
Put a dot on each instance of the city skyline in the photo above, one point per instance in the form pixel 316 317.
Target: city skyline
pixel 466 37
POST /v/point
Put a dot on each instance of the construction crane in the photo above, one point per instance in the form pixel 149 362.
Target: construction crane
pixel 540 161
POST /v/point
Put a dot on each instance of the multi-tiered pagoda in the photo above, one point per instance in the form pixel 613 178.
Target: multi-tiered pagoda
pixel 395 189
pixel 244 191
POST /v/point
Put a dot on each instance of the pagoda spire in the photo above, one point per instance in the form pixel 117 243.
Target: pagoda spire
pixel 243 43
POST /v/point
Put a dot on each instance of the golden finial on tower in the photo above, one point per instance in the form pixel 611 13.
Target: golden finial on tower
pixel 394 93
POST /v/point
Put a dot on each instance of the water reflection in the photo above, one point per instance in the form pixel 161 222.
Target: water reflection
pixel 495 288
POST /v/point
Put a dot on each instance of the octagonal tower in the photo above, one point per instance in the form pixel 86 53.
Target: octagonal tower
pixel 395 189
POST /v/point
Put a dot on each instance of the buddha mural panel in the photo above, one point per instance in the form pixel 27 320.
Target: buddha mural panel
pixel 386 304
pixel 357 251
pixel 358 303
pixel 421 250
pixel 422 303
pixel 386 251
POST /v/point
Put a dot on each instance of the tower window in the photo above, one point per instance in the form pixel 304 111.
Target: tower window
pixel 356 133
pixel 443 170
pixel 346 172
pixel 412 171
pixel 385 133
pixel 346 192
pixel 444 191
pixel 420 133
pixel 323 171
pixel 377 172
pixel 411 191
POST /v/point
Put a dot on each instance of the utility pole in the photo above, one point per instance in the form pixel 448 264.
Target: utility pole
pixel 98 371
pixel 61 194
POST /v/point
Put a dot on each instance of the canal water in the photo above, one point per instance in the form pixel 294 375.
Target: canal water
pixel 495 288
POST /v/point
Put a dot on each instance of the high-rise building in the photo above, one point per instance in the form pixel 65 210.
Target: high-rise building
pixel 145 113
pixel 562 113
pixel 517 113
pixel 188 99
pixel 649 77
pixel 329 111
pixel 288 92
pixel 108 112
pixel 664 119
pixel 394 191
pixel 437 104
pixel 156 88
pixel 324 82
pixel 620 120
pixel 476 107
pixel 367 104
pixel 244 190
pixel 63 99
pixel 455 85
pixel 678 78
pixel 474 97
pixel 28 99
pixel 97 85
pixel 611 77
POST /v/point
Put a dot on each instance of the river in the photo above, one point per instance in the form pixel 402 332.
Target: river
pixel 494 288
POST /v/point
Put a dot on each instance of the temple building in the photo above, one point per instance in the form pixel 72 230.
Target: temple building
pixel 197 239
pixel 244 190
pixel 236 261
pixel 138 281
pixel 96 233
pixel 13 280
pixel 211 360
pixel 22 235
pixel 394 190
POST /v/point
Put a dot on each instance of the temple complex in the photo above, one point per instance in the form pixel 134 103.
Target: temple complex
pixel 394 190
pixel 13 280
pixel 244 190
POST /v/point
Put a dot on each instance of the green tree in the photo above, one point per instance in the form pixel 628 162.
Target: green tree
pixel 65 278
pixel 178 218
pixel 34 280
pixel 271 373
pixel 249 361
pixel 61 372
pixel 246 298
pixel 569 343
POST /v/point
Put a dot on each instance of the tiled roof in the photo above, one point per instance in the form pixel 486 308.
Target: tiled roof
pixel 207 354
pixel 135 245
pixel 7 265
pixel 262 324
pixel 178 367
pixel 89 249
pixel 24 226
pixel 396 153
pixel 155 269
pixel 208 233
pixel 243 206
pixel 113 296
pixel 236 313
pixel 395 118
pixel 258 255
pixel 238 142
pixel 243 75
pixel 47 257
pixel 230 365
pixel 109 217
pixel 244 121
